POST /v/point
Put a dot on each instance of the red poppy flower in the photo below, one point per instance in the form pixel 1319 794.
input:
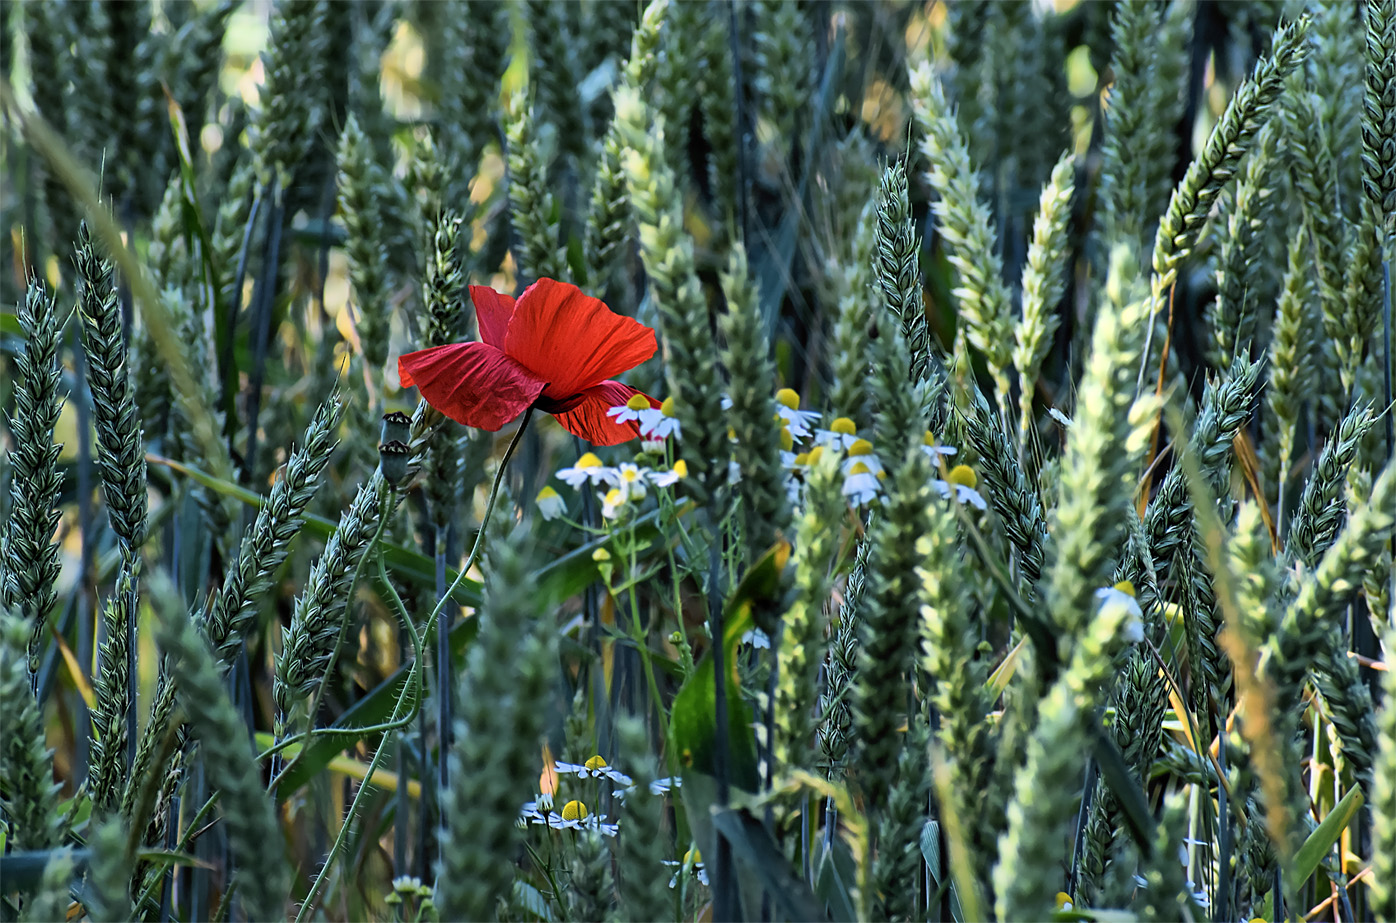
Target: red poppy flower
pixel 555 348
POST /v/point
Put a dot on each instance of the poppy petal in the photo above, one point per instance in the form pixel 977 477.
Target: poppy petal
pixel 572 340
pixel 492 312
pixel 472 383
pixel 588 418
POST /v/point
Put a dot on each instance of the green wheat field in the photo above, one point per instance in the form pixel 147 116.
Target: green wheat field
pixel 697 460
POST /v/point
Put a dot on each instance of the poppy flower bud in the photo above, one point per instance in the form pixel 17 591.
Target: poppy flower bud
pixel 397 427
pixel 392 461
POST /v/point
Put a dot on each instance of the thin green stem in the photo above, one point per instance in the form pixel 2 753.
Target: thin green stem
pixel 484 523
pixel 398 719
pixel 354 807
pixel 641 638
pixel 385 492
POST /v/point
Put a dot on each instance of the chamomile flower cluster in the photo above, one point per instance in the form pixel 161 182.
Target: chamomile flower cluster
pixel 656 423
pixel 622 486
pixel 804 440
pixel 863 469
pixel 575 813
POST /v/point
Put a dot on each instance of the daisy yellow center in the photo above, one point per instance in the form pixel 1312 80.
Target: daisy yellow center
pixel 1125 586
pixel 601 554
pixel 860 447
pixel 589 460
pixel 667 408
pixel 693 856
pixel 859 468
pixel 802 458
pixel 929 438
pixel 613 496
pixel 1063 900
pixel 787 441
pixel 815 454
pixel 547 493
pixel 595 763
pixel 574 810
pixel 630 474
pixel 963 475
pixel 789 398
pixel 681 468
pixel 843 426
pixel 638 402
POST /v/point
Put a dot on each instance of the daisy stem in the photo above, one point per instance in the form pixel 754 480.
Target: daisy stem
pixel 642 642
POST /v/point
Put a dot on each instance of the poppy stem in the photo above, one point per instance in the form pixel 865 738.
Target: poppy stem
pixel 484 521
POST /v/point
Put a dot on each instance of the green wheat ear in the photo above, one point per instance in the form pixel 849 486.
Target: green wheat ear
pixel 29 562
pixel 800 652
pixel 254 834
pixel 642 878
pixel 764 511
pixel 501 698
pixel 982 296
pixel 362 190
pixel 1384 798
pixel 531 204
pixel 30 796
pixel 284 128
pixel 1379 112
pixel 667 253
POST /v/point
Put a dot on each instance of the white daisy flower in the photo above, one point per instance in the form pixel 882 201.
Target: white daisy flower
pixel 961 481
pixel 575 816
pixel 693 863
pixel 799 421
pixel 842 433
pixel 934 449
pixel 670 477
pixel 591 768
pixel 659 423
pixel 860 485
pixel 536 811
pixel 657 787
pixel 862 451
pixel 550 503
pixel 630 410
pixel 632 481
pixel 1122 595
pixel 613 503
pixel 589 469
pixel 598 768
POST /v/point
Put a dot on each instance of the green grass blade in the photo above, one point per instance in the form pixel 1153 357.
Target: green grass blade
pixel 1321 841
